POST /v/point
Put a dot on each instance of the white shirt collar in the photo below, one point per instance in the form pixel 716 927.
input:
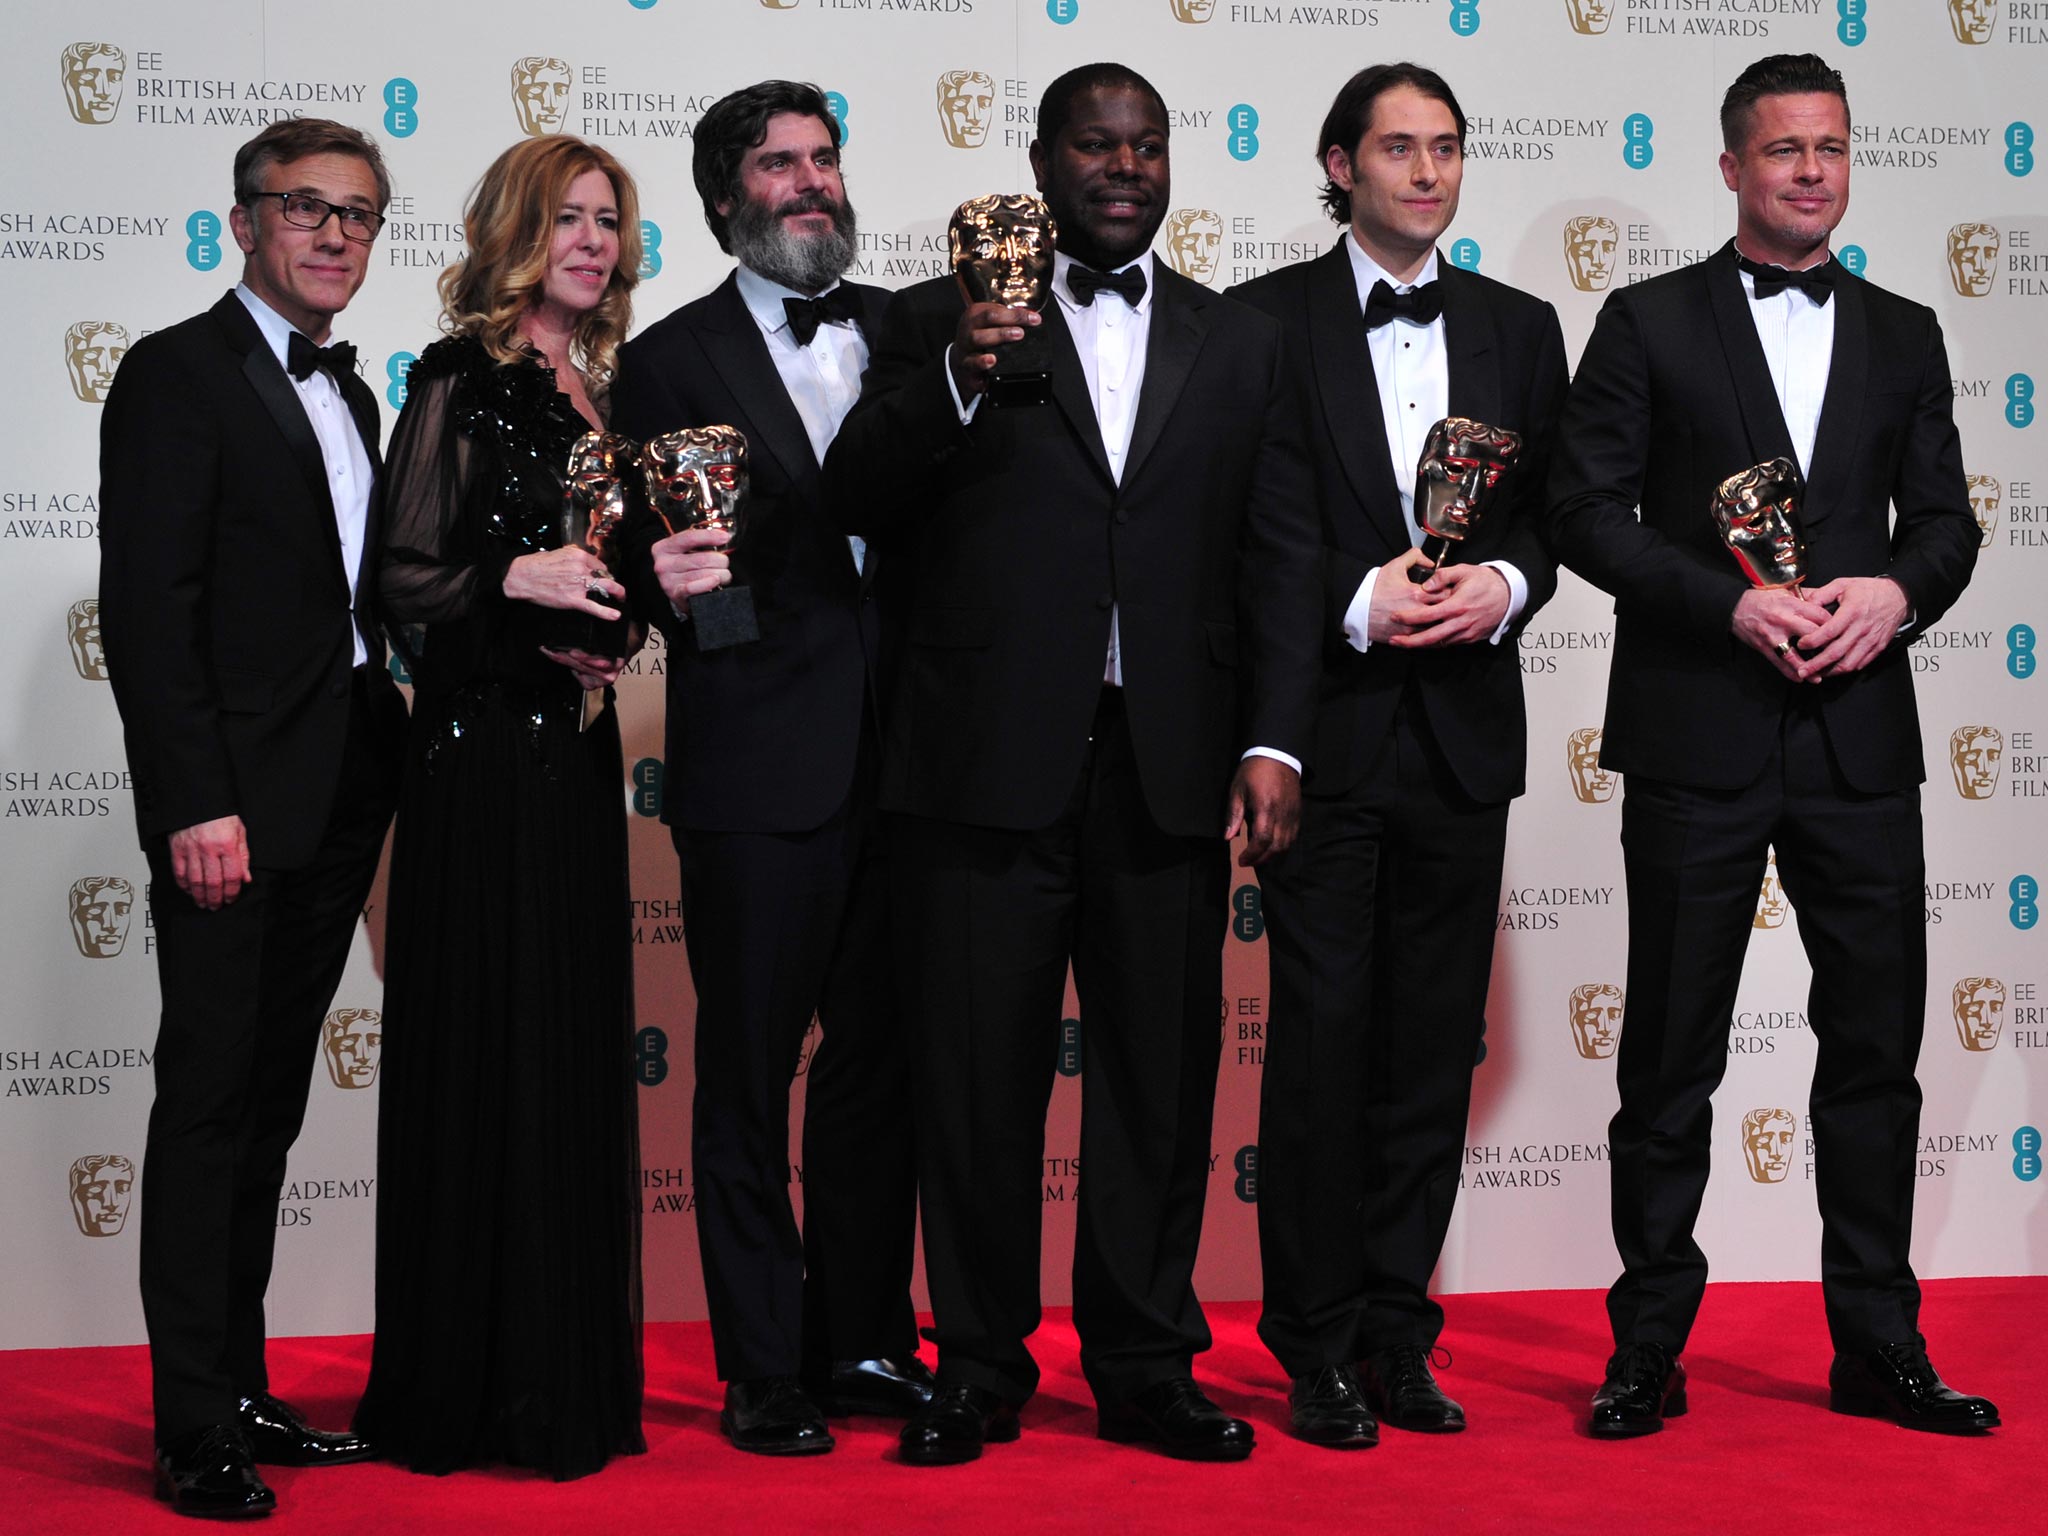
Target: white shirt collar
pixel 763 297
pixel 276 330
pixel 1365 271
pixel 1061 261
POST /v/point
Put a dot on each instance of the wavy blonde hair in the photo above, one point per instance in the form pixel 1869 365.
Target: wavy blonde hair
pixel 510 225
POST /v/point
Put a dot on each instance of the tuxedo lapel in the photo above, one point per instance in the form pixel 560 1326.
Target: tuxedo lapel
pixel 1756 397
pixel 1070 386
pixel 1841 411
pixel 739 352
pixel 1350 393
pixel 1172 344
pixel 1471 344
pixel 273 387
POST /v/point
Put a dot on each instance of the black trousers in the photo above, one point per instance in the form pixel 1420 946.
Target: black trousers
pixel 244 992
pixel 781 928
pixel 1853 867
pixel 989 921
pixel 1380 925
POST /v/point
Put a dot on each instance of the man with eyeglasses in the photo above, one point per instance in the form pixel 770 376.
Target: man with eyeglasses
pixel 239 537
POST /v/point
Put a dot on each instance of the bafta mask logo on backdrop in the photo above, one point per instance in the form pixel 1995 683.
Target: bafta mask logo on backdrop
pixel 540 94
pixel 1985 496
pixel 1973 259
pixel 101 909
pixel 352 1040
pixel 1771 905
pixel 102 1186
pixel 1193 12
pixel 1593 784
pixel 1972 20
pixel 781 5
pixel 967 105
pixel 1767 1136
pixel 1596 1012
pixel 93 349
pixel 808 1049
pixel 1979 1006
pixel 1973 756
pixel 1194 242
pixel 1589 17
pixel 93 73
pixel 1589 245
pixel 82 633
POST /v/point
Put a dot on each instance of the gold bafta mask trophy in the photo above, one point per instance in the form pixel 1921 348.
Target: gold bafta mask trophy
pixel 697 478
pixel 1456 481
pixel 1757 512
pixel 595 499
pixel 1002 248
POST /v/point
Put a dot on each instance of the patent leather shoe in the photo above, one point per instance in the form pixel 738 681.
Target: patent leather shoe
pixel 1645 1385
pixel 279 1436
pixel 894 1388
pixel 954 1426
pixel 1327 1407
pixel 1175 1416
pixel 1897 1382
pixel 773 1416
pixel 208 1472
pixel 1403 1391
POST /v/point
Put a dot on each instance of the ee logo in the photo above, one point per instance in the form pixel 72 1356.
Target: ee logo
pixel 1465 253
pixel 2019 651
pixel 400 673
pixel 395 369
pixel 1243 122
pixel 2019 148
pixel 650 249
pixel 1070 1048
pixel 1247 1165
pixel 401 107
pixel 1247 914
pixel 1464 17
pixel 647 776
pixel 2026 1154
pixel 1852 28
pixel 836 105
pixel 1062 11
pixel 202 240
pixel 1853 259
pixel 1636 151
pixel 2019 399
pixel 650 1057
pixel 2025 892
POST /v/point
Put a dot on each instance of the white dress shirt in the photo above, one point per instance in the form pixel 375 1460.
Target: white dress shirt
pixel 1798 338
pixel 341 448
pixel 1411 363
pixel 823 378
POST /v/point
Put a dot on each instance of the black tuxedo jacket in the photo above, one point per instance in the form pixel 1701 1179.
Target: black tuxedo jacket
pixel 1507 369
pixel 1019 542
pixel 1672 396
pixel 224 604
pixel 762 737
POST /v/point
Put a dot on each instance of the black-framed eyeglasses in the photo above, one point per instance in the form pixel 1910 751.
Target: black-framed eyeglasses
pixel 305 211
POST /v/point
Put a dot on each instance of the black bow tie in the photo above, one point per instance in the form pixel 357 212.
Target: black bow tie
pixel 1085 282
pixel 302 357
pixel 806 315
pixel 1817 283
pixel 1421 305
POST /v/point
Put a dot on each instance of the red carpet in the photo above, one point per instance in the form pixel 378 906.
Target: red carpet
pixel 1758 1453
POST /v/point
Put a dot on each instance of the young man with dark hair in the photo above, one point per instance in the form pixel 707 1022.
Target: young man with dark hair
pixel 1746 719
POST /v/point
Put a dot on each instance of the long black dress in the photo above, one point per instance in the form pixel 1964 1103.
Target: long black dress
pixel 508 1262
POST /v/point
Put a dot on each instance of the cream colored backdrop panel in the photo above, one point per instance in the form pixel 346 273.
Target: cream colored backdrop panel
pixel 1591 164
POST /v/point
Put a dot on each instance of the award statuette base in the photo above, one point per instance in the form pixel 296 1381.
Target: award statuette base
pixel 1438 552
pixel 723 617
pixel 1022 374
pixel 565 629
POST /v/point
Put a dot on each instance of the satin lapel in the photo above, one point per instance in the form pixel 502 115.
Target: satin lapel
pixel 362 405
pixel 1755 395
pixel 1070 387
pixel 1350 393
pixel 1841 411
pixel 1471 343
pixel 1172 344
pixel 739 352
pixel 274 388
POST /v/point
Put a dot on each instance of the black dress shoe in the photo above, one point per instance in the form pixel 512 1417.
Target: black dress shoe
pixel 1176 1417
pixel 1328 1407
pixel 279 1436
pixel 895 1388
pixel 207 1472
pixel 773 1417
pixel 1896 1382
pixel 1645 1385
pixel 1403 1392
pixel 955 1424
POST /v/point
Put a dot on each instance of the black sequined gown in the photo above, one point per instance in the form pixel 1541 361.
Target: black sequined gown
pixel 508 1264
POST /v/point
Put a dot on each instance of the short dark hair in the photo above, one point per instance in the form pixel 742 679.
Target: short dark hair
pixel 1056 106
pixel 294 138
pixel 1782 74
pixel 1351 114
pixel 736 124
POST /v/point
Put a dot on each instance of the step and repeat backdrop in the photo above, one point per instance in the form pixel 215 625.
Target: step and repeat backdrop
pixel 1591 165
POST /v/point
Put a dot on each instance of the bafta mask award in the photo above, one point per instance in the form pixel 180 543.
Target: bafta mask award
pixel 1456 481
pixel 697 478
pixel 1757 512
pixel 1002 248
pixel 595 499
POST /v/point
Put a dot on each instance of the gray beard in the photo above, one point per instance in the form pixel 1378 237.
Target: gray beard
pixel 809 263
